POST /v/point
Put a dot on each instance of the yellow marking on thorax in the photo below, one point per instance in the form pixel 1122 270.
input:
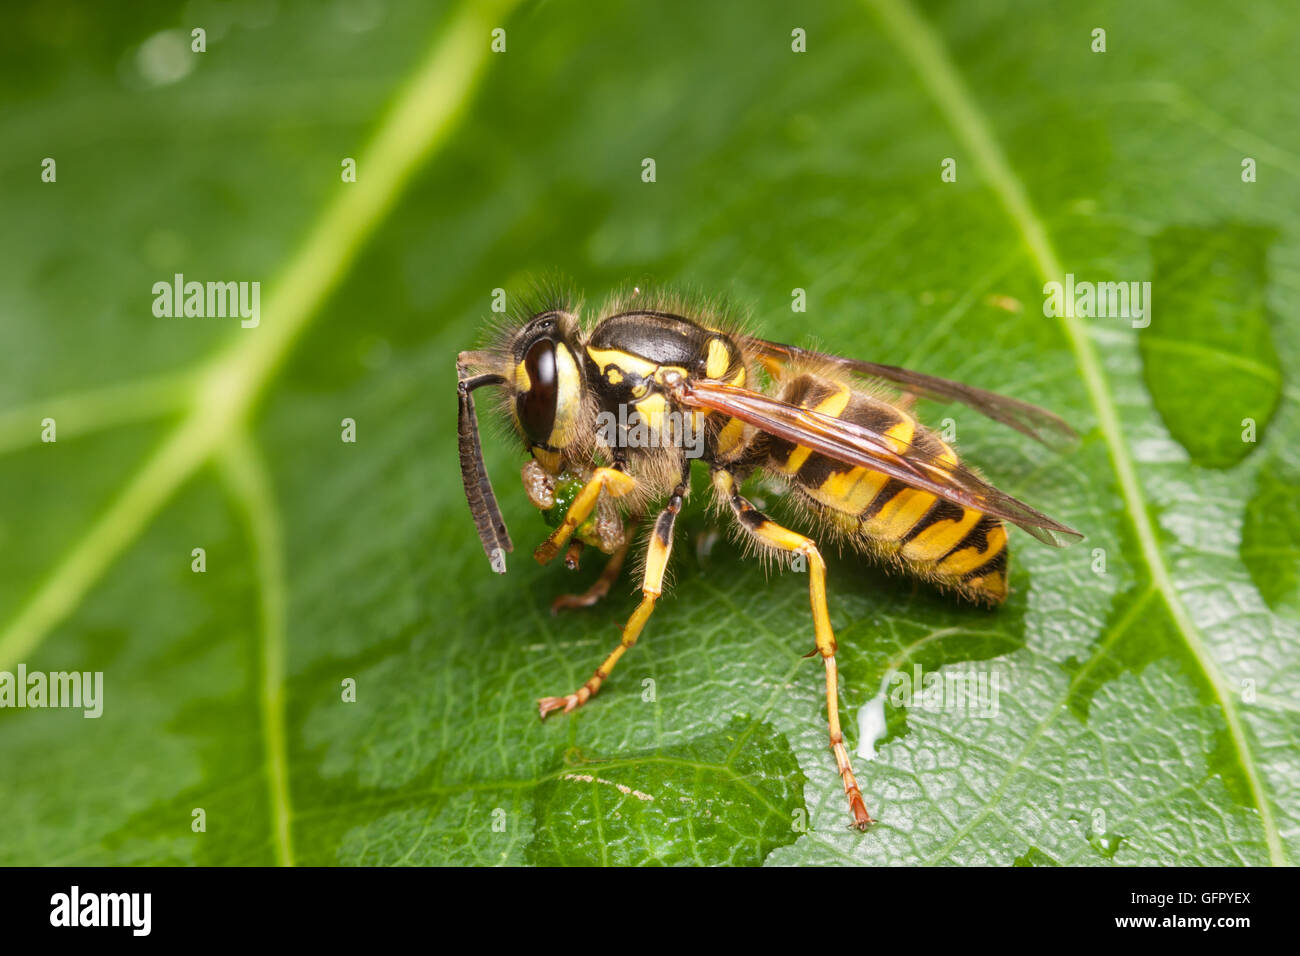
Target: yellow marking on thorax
pixel 661 373
pixel 968 559
pixel 730 437
pixel 718 359
pixel 624 360
pixel 652 408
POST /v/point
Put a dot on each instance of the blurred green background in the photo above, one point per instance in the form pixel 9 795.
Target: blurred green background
pixel 1149 709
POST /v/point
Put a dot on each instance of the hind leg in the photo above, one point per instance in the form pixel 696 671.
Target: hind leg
pixel 772 535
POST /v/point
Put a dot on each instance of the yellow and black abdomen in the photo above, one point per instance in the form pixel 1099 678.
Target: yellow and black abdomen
pixel 932 538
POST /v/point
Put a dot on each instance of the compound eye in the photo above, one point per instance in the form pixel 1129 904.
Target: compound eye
pixel 536 406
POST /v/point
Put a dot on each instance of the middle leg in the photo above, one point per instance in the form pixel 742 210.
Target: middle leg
pixel 657 554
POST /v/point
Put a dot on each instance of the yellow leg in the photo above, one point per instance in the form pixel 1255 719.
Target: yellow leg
pixel 661 546
pixel 773 535
pixel 617 483
pixel 603 583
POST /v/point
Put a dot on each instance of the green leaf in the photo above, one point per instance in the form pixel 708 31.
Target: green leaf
pixel 1271 528
pixel 1210 363
pixel 348 682
pixel 731 796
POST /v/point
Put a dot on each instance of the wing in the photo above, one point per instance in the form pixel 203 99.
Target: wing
pixel 1037 423
pixel 858 445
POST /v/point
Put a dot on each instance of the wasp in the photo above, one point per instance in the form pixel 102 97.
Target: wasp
pixel 613 413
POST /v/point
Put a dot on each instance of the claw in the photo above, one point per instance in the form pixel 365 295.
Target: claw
pixel 548 705
pixel 573 555
pixel 565 601
pixel 861 819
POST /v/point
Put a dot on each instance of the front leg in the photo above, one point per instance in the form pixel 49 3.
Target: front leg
pixel 617 482
pixel 657 554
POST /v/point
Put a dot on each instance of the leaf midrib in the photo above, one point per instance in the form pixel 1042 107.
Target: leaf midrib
pixel 940 79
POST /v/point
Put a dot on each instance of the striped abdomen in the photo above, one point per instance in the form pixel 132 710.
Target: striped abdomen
pixel 934 539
